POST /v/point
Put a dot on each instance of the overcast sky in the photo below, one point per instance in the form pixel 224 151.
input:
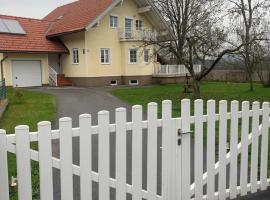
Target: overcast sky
pixel 30 8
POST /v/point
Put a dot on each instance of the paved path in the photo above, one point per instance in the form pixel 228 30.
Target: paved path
pixel 71 102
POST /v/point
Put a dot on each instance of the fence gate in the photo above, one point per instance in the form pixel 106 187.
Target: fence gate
pixel 212 151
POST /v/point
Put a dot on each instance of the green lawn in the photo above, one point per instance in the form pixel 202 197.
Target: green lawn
pixel 27 108
pixel 210 90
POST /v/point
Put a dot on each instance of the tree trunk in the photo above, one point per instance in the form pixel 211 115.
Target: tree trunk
pixel 196 89
pixel 250 82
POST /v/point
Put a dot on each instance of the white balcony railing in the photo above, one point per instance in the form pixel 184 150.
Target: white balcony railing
pixel 174 70
pixel 146 35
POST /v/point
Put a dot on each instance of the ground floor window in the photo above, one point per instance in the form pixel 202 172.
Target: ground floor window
pixel 132 56
pixel 146 55
pixel 105 56
pixel 75 56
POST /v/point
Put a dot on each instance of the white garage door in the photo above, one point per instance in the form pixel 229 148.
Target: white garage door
pixel 26 73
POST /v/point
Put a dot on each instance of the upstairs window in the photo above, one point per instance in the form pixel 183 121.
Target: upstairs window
pixel 75 56
pixel 146 55
pixel 113 21
pixel 132 56
pixel 105 56
pixel 139 24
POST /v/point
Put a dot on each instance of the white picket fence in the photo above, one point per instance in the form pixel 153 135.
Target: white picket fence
pixel 176 153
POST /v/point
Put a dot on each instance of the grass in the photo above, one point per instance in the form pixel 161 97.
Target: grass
pixel 210 90
pixel 27 108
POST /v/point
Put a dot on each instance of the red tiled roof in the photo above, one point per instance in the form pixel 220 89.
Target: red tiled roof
pixel 75 16
pixel 35 39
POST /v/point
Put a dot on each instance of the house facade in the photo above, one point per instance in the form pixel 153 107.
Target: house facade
pixel 84 43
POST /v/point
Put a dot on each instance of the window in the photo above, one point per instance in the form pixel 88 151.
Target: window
pixel 114 82
pixel 139 25
pixel 132 56
pixel 113 21
pixel 146 55
pixel 105 56
pixel 133 82
pixel 75 56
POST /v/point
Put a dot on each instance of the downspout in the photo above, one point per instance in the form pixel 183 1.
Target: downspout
pixel 2 67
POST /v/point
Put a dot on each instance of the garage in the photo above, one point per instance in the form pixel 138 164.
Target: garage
pixel 26 73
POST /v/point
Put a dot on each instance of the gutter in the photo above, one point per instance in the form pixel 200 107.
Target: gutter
pixel 2 67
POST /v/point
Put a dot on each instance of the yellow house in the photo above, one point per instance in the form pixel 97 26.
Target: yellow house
pixel 84 43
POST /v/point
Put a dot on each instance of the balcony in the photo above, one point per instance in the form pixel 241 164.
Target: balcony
pixel 137 35
pixel 173 70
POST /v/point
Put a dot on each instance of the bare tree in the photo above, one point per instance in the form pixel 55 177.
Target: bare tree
pixel 196 34
pixel 249 19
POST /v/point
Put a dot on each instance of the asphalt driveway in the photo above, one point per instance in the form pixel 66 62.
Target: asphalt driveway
pixel 71 102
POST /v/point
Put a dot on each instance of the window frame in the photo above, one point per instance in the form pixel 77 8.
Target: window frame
pixel 114 17
pixel 129 56
pixel 130 82
pixel 75 61
pixel 148 55
pixel 137 23
pixel 115 84
pixel 109 56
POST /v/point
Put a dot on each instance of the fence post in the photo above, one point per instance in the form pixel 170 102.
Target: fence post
pixel 185 114
pixel 264 150
pixel 233 149
pixel 211 150
pixel 198 111
pixel 152 151
pixel 121 168
pixel 65 127
pixel 4 188
pixel 254 147
pixel 45 160
pixel 244 150
pixel 168 191
pixel 103 154
pixel 85 156
pixel 222 149
pixel 23 163
pixel 137 151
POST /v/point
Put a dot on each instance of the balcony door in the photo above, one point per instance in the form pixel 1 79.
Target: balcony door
pixel 128 27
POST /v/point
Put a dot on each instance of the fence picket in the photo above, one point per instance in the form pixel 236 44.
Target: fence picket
pixel 45 160
pixel 211 124
pixel 103 154
pixel 85 122
pixel 233 149
pixel 137 151
pixel 121 139
pixel 222 149
pixel 244 150
pixel 65 127
pixel 167 190
pixel 4 189
pixel 254 147
pixel 264 150
pixel 152 151
pixel 198 111
pixel 185 114
pixel 23 163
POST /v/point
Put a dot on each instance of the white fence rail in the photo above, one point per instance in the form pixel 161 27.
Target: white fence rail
pixel 144 35
pixel 176 155
pixel 52 77
pixel 174 70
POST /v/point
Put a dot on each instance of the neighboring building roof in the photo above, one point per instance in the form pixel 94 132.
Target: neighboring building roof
pixel 33 41
pixel 75 16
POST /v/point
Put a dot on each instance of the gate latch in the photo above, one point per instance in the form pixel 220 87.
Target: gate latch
pixel 180 133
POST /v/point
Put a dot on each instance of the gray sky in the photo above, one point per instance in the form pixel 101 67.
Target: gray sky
pixel 30 8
